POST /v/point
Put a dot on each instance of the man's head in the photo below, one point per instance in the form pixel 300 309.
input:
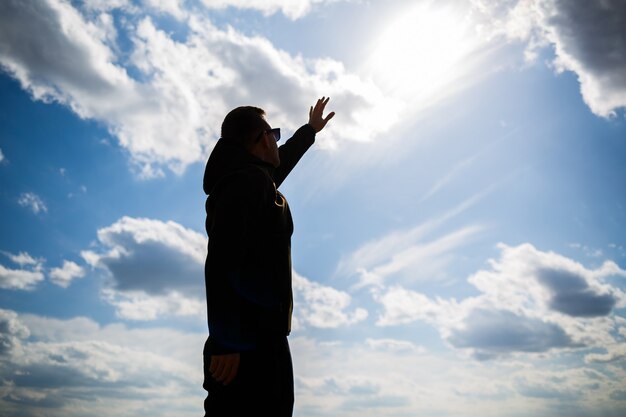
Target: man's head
pixel 247 127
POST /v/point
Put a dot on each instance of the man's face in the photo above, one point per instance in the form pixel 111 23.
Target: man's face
pixel 269 147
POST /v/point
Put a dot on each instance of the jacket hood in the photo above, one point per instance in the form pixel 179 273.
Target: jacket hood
pixel 225 159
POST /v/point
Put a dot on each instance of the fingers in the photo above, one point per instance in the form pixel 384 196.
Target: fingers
pixel 230 372
pixel 224 368
pixel 316 114
pixel 215 364
pixel 320 105
pixel 318 110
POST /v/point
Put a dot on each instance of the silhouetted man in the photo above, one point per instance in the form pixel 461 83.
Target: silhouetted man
pixel 247 363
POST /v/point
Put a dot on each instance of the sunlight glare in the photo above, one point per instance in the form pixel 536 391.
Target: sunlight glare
pixel 422 53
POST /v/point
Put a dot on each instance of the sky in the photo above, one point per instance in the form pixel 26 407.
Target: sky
pixel 460 224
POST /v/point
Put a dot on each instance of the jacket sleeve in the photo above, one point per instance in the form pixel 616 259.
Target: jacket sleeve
pixel 230 219
pixel 291 152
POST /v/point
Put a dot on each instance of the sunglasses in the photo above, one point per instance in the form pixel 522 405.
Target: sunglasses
pixel 274 132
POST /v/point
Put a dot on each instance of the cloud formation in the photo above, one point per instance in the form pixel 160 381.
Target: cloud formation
pixel 529 301
pixel 33 202
pixel 400 378
pixel 68 272
pixel 168 113
pixel 587 37
pixel 293 9
pixel 58 368
pixel 322 306
pixel 156 268
pixel 29 274
pixel 164 96
pixel 403 254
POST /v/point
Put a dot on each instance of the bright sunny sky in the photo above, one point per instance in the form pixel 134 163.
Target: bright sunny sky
pixel 460 225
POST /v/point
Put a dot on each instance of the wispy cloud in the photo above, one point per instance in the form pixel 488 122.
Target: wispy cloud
pixel 427 258
pixel 26 277
pixel 22 258
pixel 33 202
pixel 397 251
pixel 448 177
pixel 64 275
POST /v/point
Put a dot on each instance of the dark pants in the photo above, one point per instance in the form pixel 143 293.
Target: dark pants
pixel 263 385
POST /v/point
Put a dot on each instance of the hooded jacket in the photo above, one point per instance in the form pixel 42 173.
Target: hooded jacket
pixel 248 265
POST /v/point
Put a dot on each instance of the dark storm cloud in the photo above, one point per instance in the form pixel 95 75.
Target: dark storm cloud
pixel 572 295
pixel 594 32
pixel 589 38
pixel 492 333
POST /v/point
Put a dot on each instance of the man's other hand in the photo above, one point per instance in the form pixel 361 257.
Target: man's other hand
pixel 316 119
pixel 224 368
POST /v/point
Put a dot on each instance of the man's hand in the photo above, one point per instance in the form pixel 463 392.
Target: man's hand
pixel 315 114
pixel 224 368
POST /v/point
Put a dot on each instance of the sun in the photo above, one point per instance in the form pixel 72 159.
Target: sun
pixel 422 52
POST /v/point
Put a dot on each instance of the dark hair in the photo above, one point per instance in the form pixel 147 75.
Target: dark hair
pixel 242 122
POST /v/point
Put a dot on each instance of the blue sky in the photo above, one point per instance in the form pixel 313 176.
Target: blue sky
pixel 459 226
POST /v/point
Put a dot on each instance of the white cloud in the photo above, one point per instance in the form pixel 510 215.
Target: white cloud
pixel 376 378
pixel 529 280
pixel 106 5
pixel 614 352
pixel 25 278
pixel 63 365
pixel 1 156
pixel 114 370
pixel 12 331
pixel 322 306
pixel 587 38
pixel 403 306
pixel 156 268
pixel 19 279
pixel 529 301
pixel 64 275
pixel 23 258
pixel 394 345
pixel 171 117
pixel 168 113
pixel 172 7
pixel 139 305
pixel 293 9
pixel 33 202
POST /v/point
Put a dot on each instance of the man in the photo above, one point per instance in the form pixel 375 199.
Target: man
pixel 247 363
